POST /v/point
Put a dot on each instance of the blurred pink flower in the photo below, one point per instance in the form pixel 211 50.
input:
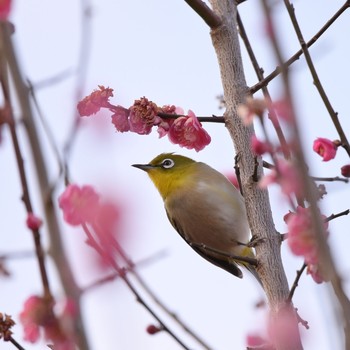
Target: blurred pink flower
pixel 33 315
pixel 78 204
pixel 302 239
pixel 92 103
pixel 255 340
pixel 33 222
pixel 314 271
pixel 286 175
pixel 188 132
pixel 284 327
pixel 250 109
pixel 38 314
pixel 5 8
pixel 260 147
pixel 325 148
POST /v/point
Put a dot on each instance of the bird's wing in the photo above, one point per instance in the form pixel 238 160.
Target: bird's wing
pixel 215 259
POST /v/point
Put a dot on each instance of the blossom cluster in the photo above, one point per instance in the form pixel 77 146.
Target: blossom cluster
pixel 302 240
pixel 38 317
pixel 143 115
pixel 82 205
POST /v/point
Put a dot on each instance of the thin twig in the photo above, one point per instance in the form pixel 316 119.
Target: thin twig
pixel 334 216
pixel 57 252
pixel 21 169
pixel 296 56
pixel 314 74
pixel 16 344
pixel 260 75
pixel 122 274
pixel 212 119
pixel 296 282
pixel 330 179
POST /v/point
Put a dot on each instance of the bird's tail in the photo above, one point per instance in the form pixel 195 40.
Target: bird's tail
pixel 248 253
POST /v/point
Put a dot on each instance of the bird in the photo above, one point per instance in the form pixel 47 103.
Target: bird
pixel 206 209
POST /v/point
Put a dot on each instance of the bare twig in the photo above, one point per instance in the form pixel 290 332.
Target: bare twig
pixel 20 164
pixel 295 57
pixel 330 179
pixel 327 263
pixel 122 274
pixel 260 75
pixel 57 251
pixel 317 82
pixel 334 216
pixel 296 282
pixel 204 11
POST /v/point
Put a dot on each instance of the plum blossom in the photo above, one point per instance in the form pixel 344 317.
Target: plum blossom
pixel 302 239
pixel 120 118
pixel 286 175
pixel 327 149
pixel 5 8
pixel 143 116
pixel 92 103
pixel 188 132
pixel 250 109
pixel 260 147
pixel 78 204
pixel 33 222
pixel 38 317
pixel 345 170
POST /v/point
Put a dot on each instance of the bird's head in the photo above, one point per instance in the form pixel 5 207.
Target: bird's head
pixel 168 171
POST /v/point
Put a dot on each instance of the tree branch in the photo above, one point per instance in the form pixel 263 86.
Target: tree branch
pixel 209 17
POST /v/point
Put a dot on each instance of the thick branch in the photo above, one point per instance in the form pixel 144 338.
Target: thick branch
pixel 226 43
pixel 57 252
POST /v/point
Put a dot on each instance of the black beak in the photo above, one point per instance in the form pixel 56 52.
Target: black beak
pixel 144 167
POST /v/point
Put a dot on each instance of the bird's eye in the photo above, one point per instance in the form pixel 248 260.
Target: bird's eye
pixel 167 163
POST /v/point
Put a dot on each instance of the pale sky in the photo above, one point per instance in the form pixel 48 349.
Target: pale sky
pixel 162 50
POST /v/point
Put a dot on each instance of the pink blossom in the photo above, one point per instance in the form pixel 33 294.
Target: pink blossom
pixel 260 147
pixel 165 123
pixel 325 148
pixel 250 109
pixel 314 271
pixel 302 239
pixel 38 315
pixel 345 170
pixel 34 314
pixel 120 118
pixel 284 327
pixel 187 132
pixel 33 222
pixel 286 175
pixel 254 340
pixel 78 204
pixel 143 116
pixel 283 110
pixel 5 8
pixel 92 103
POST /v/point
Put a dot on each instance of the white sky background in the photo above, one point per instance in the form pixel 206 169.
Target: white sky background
pixel 162 50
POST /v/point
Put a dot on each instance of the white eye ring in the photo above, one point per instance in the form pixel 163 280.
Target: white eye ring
pixel 167 163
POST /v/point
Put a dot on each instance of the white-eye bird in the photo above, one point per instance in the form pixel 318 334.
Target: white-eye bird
pixel 204 208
